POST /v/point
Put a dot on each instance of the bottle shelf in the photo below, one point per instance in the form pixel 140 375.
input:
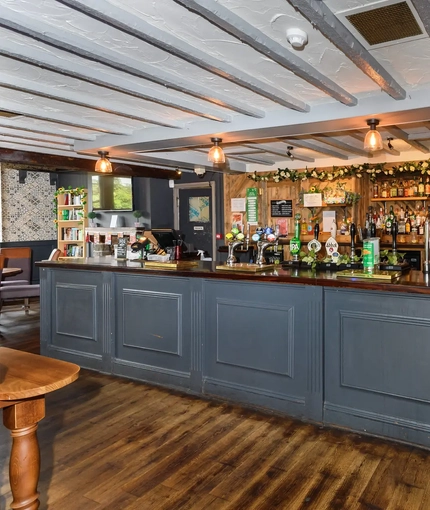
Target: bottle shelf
pixel 400 199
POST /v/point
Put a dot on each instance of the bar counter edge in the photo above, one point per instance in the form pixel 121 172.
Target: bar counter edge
pixel 350 354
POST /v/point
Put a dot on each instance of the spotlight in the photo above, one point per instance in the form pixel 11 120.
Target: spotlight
pixel 390 145
pixel 289 153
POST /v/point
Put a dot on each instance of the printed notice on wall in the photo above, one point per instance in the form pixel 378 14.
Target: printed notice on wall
pixel 238 204
pixel 252 205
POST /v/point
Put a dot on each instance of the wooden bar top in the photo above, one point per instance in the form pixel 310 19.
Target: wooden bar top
pixel 24 375
pixel 412 282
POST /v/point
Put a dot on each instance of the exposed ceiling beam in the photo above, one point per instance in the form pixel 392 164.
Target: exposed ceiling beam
pixel 65 120
pixel 130 24
pixel 9 136
pixel 307 145
pixel 252 159
pixel 6 141
pixel 271 150
pixel 15 125
pixel 423 9
pixel 402 135
pixel 322 18
pixel 46 162
pixel 419 136
pixel 393 151
pixel 334 142
pixel 235 25
pixel 77 71
pixel 65 41
pixel 71 97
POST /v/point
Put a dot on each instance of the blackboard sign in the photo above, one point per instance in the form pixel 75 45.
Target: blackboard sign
pixel 281 208
pixel 121 252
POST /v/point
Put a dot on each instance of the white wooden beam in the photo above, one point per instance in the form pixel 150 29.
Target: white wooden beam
pixel 322 18
pixel 423 9
pixel 402 135
pixel 311 146
pixel 65 41
pixel 130 24
pixel 242 30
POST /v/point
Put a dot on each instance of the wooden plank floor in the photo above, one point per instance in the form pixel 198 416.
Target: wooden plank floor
pixel 111 443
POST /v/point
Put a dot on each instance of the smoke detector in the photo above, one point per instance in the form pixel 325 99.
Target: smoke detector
pixel 297 37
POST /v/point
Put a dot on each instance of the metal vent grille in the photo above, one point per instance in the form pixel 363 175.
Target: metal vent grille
pixel 386 24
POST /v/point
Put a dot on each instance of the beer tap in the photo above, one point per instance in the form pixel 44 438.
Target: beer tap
pixel 271 240
pixel 232 245
pixel 352 231
pixel 426 246
pixel 394 231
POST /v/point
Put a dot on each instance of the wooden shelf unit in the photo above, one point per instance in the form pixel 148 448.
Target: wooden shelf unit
pixel 71 232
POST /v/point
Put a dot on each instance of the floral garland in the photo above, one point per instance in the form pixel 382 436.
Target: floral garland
pixel 373 171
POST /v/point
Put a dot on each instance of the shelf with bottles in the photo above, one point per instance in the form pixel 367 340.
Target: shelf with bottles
pixel 413 188
pixel 401 199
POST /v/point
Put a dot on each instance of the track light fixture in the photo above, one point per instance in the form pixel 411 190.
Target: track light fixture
pixel 390 145
pixel 216 154
pixel 289 153
pixel 103 165
pixel 373 139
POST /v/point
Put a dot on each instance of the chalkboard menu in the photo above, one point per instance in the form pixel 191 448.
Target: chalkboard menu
pixel 121 252
pixel 281 208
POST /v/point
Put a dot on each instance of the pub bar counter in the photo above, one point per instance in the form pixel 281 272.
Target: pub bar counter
pixel 354 354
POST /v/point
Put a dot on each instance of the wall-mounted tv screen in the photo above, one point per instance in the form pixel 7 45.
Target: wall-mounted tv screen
pixel 112 193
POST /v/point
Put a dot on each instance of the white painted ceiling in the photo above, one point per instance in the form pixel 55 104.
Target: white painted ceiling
pixel 152 81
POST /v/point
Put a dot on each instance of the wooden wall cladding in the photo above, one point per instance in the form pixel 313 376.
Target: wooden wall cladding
pixel 235 186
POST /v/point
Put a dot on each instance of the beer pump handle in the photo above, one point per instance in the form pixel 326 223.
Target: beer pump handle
pixel 352 231
pixel 394 231
pixel 316 231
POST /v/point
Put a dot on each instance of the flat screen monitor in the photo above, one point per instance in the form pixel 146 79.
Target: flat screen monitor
pixel 165 237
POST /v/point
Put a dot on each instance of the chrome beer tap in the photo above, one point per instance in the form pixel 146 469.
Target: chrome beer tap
pixel 271 240
pixel 232 245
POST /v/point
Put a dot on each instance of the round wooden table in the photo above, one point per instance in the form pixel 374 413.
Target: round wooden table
pixel 24 380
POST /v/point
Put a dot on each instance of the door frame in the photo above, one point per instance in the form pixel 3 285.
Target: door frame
pixel 196 185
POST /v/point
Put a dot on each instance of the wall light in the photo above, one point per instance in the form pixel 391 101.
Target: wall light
pixel 216 154
pixel 103 164
pixel 373 139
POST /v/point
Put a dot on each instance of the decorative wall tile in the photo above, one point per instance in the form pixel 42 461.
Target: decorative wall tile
pixel 27 208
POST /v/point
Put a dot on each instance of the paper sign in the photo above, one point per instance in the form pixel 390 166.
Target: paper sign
pixel 312 199
pixel 328 217
pixel 238 204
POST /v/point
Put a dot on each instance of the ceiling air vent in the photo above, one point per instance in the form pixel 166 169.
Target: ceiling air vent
pixel 385 24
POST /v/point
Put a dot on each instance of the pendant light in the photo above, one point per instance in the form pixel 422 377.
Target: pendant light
pixel 103 164
pixel 373 139
pixel 216 154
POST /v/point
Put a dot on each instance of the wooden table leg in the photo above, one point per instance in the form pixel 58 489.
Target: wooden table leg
pixel 24 468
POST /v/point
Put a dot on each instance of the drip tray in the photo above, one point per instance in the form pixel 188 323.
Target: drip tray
pixel 353 274
pixel 245 268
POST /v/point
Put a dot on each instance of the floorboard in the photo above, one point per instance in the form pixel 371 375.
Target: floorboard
pixel 111 443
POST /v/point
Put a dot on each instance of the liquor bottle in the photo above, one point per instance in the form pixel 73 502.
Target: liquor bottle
pixel 384 191
pixel 414 188
pixel 406 189
pixel 421 187
pixel 427 187
pixel 401 189
pixel 303 227
pixel 375 190
pixel 407 224
pixel 393 190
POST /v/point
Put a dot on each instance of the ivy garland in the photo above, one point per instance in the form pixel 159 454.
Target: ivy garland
pixel 373 171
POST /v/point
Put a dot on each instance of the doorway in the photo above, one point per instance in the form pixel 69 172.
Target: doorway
pixel 194 215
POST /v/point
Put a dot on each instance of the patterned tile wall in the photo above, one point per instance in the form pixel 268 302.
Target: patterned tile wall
pixel 26 209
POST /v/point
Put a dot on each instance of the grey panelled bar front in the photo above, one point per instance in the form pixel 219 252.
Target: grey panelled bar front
pixel 311 348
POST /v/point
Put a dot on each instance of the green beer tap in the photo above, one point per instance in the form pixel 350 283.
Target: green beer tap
pixel 295 243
